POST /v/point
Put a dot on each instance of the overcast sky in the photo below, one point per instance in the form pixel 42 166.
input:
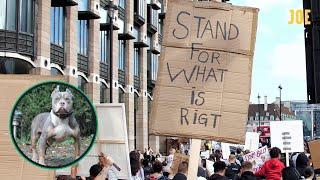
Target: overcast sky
pixel 279 52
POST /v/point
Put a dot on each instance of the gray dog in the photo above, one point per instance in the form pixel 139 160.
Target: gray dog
pixel 56 125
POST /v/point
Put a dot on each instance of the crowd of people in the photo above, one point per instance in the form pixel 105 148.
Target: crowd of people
pixel 150 166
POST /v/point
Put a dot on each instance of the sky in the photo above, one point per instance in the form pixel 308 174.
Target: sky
pixel 279 51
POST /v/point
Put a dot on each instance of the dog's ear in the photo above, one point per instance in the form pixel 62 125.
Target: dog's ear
pixel 56 90
pixel 68 91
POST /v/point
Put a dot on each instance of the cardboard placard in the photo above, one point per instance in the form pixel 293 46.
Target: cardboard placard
pixel 287 135
pixel 314 147
pixel 12 165
pixel 258 158
pixel 204 78
pixel 111 140
pixel 252 141
pixel 177 159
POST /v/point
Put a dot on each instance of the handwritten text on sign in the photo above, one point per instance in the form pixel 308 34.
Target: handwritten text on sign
pixel 258 158
pixel 204 71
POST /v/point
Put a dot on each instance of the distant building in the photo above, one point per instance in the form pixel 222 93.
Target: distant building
pixel 309 113
pixel 266 113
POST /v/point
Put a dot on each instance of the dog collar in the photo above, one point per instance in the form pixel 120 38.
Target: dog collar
pixel 62 115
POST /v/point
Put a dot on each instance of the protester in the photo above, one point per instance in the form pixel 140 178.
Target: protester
pixel 219 171
pixel 246 172
pixel 309 173
pixel 239 155
pixel 202 169
pixel 182 171
pixel 272 169
pixel 147 169
pixel 233 168
pixel 290 173
pixel 157 172
pixel 136 169
pixel 169 161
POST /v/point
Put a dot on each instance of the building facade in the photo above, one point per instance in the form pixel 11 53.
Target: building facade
pixel 309 114
pixel 266 113
pixel 79 39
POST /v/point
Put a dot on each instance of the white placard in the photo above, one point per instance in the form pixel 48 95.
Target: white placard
pixel 227 148
pixel 287 135
pixel 252 141
pixel 111 139
pixel 258 158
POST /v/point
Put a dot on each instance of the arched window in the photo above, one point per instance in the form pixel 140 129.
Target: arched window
pixel 55 72
pixel 121 95
pixel 82 84
pixel 104 93
pixel 14 66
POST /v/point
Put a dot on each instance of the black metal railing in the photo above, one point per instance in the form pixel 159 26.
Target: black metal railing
pixel 137 82
pixel 19 42
pixel 83 63
pixel 104 71
pixel 121 77
pixel 57 54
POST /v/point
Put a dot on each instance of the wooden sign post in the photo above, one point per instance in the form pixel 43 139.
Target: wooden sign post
pixel 194 158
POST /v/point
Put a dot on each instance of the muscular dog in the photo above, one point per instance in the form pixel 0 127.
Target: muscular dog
pixel 56 125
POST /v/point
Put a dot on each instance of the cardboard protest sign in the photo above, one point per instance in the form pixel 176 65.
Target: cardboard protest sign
pixel 111 140
pixel 177 159
pixel 258 158
pixel 12 165
pixel 204 78
pixel 287 135
pixel 314 147
pixel 252 141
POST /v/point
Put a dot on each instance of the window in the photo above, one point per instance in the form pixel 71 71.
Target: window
pixel 104 93
pixel 104 46
pixel 83 5
pixel 26 11
pixel 154 66
pixel 154 20
pixel 83 37
pixel 121 95
pixel 57 26
pixel 139 7
pixel 136 34
pixel 8 13
pixel 121 56
pixel 251 118
pixel 55 72
pixel 271 117
pixel 121 26
pixel 136 61
pixel 104 18
pixel 14 66
pixel 82 83
pixel 122 3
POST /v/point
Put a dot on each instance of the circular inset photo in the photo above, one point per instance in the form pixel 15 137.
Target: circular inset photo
pixel 53 124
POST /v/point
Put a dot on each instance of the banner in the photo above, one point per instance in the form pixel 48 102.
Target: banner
pixel 287 135
pixel 257 158
pixel 314 147
pixel 204 79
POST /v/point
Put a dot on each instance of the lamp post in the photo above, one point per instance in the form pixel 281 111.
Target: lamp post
pixel 280 88
pixel 111 8
pixel 259 111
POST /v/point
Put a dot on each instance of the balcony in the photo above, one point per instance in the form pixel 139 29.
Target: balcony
pixel 20 42
pixel 138 19
pixel 121 77
pixel 155 4
pixel 57 55
pixel 88 12
pixel 104 71
pixel 63 3
pixel 141 42
pixel 137 82
pixel 160 38
pixel 83 64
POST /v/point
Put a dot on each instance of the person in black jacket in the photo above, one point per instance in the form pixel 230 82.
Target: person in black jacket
pixel 219 171
pixel 246 172
pixel 233 168
pixel 182 171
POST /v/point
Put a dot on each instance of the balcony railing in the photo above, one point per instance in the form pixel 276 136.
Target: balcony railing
pixel 104 71
pixel 83 64
pixel 57 54
pixel 137 82
pixel 20 42
pixel 121 77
